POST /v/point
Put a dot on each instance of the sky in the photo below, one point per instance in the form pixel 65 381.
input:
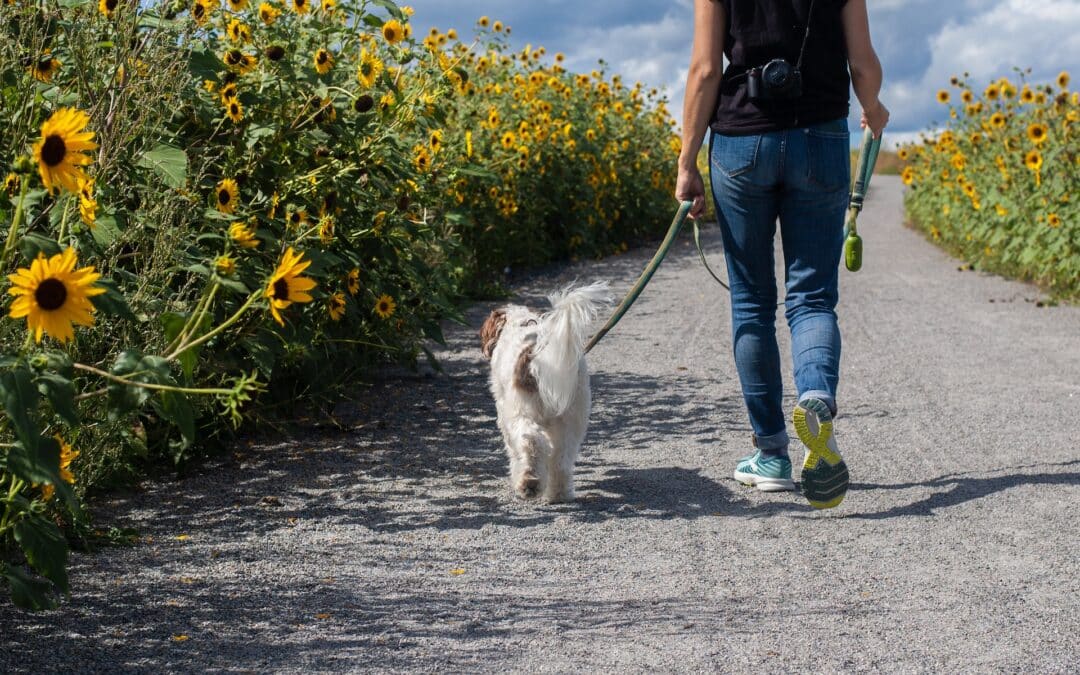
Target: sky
pixel 921 43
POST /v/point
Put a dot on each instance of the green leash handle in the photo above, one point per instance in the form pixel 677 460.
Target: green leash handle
pixel 643 280
pixel 853 245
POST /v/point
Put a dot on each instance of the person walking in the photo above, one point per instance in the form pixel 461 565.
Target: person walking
pixel 780 150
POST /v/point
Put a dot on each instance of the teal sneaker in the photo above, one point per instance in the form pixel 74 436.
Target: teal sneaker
pixel 768 473
pixel 824 474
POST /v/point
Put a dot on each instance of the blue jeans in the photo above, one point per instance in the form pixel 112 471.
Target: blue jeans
pixel 801 177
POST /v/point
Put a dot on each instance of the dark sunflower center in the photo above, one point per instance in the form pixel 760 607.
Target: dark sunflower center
pixel 322 57
pixel 301 3
pixel 364 103
pixel 281 290
pixel 53 150
pixel 50 294
pixel 384 307
pixel 111 4
pixel 275 52
pixel 235 110
pixel 198 11
pixel 223 197
pixel 234 57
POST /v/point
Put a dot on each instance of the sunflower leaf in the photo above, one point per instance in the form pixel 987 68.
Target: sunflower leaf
pixel 34 244
pixel 394 10
pixel 168 162
pixel 61 394
pixel 27 591
pixel 20 401
pixel 112 301
pixel 45 548
pixel 133 366
pixel 176 408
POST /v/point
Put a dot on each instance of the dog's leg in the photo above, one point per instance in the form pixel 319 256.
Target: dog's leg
pixel 567 435
pixel 528 447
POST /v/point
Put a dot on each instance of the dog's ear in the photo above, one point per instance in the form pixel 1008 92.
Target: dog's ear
pixel 489 332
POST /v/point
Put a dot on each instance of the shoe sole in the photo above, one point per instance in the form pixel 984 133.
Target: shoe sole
pixel 825 475
pixel 765 484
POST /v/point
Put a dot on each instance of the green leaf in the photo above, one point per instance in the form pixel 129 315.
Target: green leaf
pixel 40 464
pixel 20 400
pixel 176 408
pixel 105 230
pixel 61 394
pixel 33 244
pixel 204 65
pixel 132 365
pixel 26 591
pixel 45 548
pixel 394 10
pixel 173 323
pixel 112 301
pixel 434 332
pixel 373 21
pixel 169 162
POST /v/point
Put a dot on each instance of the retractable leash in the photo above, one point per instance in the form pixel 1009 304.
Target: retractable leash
pixel 852 242
pixel 867 159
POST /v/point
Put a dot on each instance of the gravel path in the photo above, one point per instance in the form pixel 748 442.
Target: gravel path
pixel 393 544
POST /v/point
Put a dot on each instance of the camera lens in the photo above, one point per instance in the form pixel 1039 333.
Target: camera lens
pixel 777 74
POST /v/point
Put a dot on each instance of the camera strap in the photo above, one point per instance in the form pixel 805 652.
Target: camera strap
pixel 806 36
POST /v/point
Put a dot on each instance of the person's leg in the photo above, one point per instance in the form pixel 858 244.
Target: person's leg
pixel 817 179
pixel 744 175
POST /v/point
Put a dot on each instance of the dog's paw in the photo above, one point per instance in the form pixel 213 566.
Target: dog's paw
pixel 528 486
pixel 563 497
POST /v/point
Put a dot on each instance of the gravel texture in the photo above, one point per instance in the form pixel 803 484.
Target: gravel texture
pixel 393 544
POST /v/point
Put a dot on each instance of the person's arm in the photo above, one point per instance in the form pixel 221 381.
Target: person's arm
pixel 702 88
pixel 864 65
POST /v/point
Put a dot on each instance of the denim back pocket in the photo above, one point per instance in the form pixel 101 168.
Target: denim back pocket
pixel 735 155
pixel 828 148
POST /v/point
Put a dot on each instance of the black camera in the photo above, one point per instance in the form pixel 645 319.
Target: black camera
pixel 777 80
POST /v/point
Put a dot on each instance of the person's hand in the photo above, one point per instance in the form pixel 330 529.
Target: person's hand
pixel 876 118
pixel 691 188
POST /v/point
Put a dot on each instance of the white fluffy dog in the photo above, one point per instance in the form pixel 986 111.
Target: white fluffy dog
pixel 541 386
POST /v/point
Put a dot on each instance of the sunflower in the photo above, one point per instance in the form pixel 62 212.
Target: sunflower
pixel 52 294
pixel 225 265
pixel 286 286
pixel 435 140
pixel 421 158
pixel 468 144
pixel 234 110
pixel 385 306
pixel 335 306
pixel 393 32
pixel 387 101
pixel 108 7
pixel 1063 79
pixel 243 235
pixel 368 70
pixel 59 153
pixel 67 455
pixel 997 120
pixel 329 6
pixel 300 6
pixel 87 204
pixel 326 230
pixel 228 93
pixel 324 61
pixel 201 11
pixel 1027 95
pixel 44 69
pixel 908 176
pixel 483 22
pixel 239 31
pixel 1053 220
pixel 11 184
pixel 268 14
pixel 1033 160
pixel 238 5
pixel 363 103
pixel 226 194
pixel 497 26
pixel 352 281
pixel 239 62
pixel 508 140
pixel 296 218
pixel 1036 133
pixel 992 92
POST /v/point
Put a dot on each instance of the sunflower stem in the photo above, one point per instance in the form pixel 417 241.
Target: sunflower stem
pixel 225 324
pixel 195 319
pixel 150 385
pixel 16 221
pixel 63 224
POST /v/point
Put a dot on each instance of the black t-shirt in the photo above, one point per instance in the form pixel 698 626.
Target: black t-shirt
pixel 761 30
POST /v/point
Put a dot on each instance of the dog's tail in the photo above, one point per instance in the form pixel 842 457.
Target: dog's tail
pixel 561 342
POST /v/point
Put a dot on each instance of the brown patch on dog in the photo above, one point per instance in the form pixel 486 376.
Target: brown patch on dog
pixel 523 379
pixel 489 332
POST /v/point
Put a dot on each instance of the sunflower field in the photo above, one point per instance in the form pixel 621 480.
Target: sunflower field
pixel 222 214
pixel 999 185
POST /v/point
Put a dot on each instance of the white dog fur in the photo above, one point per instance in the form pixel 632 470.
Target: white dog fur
pixel 540 382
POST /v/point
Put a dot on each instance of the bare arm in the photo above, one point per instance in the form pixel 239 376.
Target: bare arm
pixel 702 88
pixel 864 65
